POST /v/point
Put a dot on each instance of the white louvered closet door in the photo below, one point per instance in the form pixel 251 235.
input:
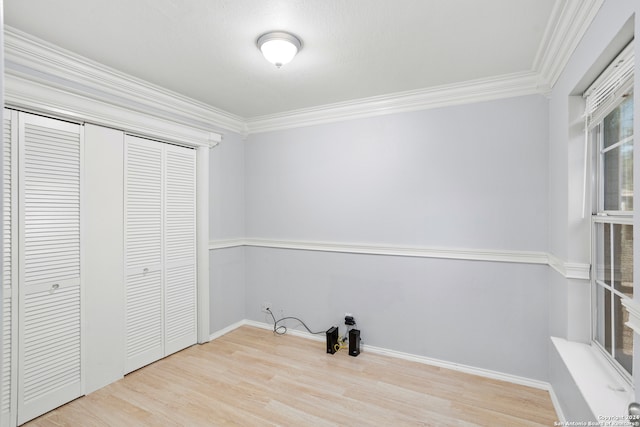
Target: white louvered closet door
pixel 180 248
pixel 9 270
pixel 160 250
pixel 49 366
pixel 143 252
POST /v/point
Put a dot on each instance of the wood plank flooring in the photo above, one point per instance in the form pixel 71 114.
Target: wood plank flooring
pixel 252 377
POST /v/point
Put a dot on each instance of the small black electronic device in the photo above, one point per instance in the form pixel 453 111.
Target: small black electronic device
pixel 354 342
pixel 332 339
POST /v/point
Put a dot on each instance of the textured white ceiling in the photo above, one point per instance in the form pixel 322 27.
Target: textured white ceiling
pixel 205 49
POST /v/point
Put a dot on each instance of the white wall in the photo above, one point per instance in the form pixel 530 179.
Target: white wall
pixel 471 176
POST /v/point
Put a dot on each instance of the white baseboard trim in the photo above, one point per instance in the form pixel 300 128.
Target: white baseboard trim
pixel 556 405
pixel 226 330
pixel 290 331
pixel 486 373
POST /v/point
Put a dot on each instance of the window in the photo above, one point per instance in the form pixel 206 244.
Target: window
pixel 610 126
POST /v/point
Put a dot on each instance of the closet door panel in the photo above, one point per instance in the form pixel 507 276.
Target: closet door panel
pixel 50 312
pixel 180 249
pixel 143 252
pixel 9 270
pixel 143 320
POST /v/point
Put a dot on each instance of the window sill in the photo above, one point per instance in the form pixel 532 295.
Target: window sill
pixel 606 393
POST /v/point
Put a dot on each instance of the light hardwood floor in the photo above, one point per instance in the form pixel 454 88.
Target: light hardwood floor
pixel 253 377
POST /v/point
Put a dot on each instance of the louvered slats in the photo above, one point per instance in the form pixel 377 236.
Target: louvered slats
pixel 6 354
pixel 180 205
pixel 180 303
pixel 602 94
pixel 144 314
pixel 7 270
pixel 52 205
pixel 52 342
pixel 143 204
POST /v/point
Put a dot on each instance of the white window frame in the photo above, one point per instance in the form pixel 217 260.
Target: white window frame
pixel 605 95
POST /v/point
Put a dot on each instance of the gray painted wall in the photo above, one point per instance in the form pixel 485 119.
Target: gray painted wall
pixel 483 314
pixel 226 221
pixel 471 176
pixel 227 290
pixel 226 188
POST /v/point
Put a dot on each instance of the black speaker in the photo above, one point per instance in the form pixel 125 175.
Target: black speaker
pixel 332 339
pixel 354 342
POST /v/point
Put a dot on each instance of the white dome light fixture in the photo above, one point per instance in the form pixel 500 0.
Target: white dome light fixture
pixel 279 47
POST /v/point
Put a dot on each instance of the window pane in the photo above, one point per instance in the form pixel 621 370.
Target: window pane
pixel 603 318
pixel 619 123
pixel 602 240
pixel 623 258
pixel 624 336
pixel 618 178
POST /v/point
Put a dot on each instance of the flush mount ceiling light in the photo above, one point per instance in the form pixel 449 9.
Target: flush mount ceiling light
pixel 279 47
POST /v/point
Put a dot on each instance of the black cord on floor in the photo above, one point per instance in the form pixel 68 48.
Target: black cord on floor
pixel 281 330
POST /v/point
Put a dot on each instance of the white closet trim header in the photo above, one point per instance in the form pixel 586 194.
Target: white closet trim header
pixel 44 78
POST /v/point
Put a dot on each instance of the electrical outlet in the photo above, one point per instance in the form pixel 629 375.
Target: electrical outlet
pixel 265 307
pixel 349 320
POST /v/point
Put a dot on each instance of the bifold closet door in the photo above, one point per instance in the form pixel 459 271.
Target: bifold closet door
pixel 180 248
pixel 160 250
pixel 49 330
pixel 143 252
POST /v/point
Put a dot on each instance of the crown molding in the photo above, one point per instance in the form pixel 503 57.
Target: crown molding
pixel 511 85
pixel 39 61
pixel 36 60
pixel 568 22
pixel 36 97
